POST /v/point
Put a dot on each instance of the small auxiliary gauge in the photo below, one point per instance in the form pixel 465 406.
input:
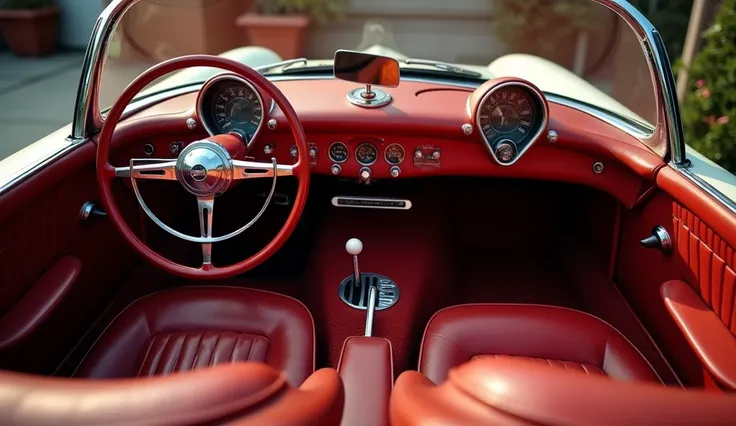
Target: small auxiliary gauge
pixel 338 152
pixel 394 154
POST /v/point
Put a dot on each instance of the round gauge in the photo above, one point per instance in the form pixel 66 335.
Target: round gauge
pixel 510 111
pixel 366 154
pixel 231 104
pixel 338 152
pixel 394 154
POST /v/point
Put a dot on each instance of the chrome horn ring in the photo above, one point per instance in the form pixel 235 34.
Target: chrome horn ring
pixel 209 196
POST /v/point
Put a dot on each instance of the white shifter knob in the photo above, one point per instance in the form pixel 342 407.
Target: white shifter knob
pixel 354 246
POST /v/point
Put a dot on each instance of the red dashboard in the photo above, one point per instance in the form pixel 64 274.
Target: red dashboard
pixel 427 121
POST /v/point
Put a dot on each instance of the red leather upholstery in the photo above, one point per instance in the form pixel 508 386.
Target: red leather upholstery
pixel 557 337
pixel 242 394
pixel 711 340
pixel 367 370
pixel 518 392
pixel 38 301
pixel 194 327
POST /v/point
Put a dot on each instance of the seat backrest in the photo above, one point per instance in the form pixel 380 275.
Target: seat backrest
pixel 239 394
pixel 516 392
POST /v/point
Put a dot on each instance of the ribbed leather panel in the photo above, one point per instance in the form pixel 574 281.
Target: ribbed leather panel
pixel 563 365
pixel 711 261
pixel 175 352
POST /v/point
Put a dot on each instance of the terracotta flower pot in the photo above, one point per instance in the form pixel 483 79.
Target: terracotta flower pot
pixel 31 32
pixel 285 35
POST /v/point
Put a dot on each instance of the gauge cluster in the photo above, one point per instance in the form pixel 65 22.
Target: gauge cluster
pixel 228 103
pixel 510 114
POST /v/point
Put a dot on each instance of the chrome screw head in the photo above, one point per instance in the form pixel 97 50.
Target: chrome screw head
pixel 598 167
pixel 552 136
pixel 191 123
pixel 467 129
pixel 272 124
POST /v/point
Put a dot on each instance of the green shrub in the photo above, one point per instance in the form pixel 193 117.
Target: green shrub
pixel 25 4
pixel 709 108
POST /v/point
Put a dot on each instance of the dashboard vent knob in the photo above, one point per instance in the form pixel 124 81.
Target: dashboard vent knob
pixel 505 151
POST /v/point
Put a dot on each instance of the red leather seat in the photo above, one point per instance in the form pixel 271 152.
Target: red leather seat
pixel 512 392
pixel 194 327
pixel 558 337
pixel 233 394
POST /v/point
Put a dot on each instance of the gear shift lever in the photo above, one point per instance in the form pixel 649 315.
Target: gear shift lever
pixel 354 246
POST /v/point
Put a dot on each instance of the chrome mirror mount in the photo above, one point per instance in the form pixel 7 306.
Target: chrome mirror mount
pixel 371 70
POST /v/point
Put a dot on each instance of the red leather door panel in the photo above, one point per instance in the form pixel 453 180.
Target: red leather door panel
pixel 39 225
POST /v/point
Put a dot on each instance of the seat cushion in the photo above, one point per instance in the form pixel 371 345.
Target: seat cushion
pixel 557 337
pixel 196 327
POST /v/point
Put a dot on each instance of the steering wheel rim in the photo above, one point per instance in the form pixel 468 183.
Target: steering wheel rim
pixel 106 172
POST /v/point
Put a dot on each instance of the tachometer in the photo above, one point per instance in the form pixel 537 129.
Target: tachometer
pixel 366 154
pixel 229 103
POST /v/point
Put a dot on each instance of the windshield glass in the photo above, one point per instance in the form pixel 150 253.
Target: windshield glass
pixel 576 50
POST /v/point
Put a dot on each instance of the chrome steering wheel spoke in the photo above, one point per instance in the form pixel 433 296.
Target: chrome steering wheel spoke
pixel 148 168
pixel 206 205
pixel 256 170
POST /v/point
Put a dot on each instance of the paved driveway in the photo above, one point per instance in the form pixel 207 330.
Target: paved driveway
pixel 36 97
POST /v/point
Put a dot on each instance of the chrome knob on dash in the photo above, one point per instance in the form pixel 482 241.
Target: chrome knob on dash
pixel 395 171
pixel 268 149
pixel 294 151
pixel 336 169
pixel 313 152
pixel 505 151
pixel 660 240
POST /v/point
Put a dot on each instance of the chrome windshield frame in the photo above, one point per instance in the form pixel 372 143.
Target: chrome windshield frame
pixel 88 119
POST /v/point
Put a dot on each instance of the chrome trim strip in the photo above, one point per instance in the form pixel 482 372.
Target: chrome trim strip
pixel 336 203
pixel 706 187
pixel 661 72
pixel 87 118
pixel 611 119
pixel 40 164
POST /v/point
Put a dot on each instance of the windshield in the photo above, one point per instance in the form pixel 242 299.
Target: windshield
pixel 576 50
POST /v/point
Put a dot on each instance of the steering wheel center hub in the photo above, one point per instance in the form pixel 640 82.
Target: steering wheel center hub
pixel 204 168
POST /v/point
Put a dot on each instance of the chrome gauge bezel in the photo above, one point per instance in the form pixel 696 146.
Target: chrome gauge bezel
pixel 329 151
pixel 223 77
pixel 533 138
pixel 385 154
pixel 357 148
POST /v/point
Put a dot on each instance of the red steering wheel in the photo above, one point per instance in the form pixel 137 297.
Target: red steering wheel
pixel 206 169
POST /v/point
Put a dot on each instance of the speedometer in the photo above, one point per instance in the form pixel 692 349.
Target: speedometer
pixel 229 103
pixel 510 114
pixel 508 111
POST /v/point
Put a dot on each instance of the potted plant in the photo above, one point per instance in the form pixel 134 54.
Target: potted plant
pixel 280 25
pixel 31 27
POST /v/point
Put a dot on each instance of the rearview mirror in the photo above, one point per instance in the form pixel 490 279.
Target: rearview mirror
pixel 366 69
